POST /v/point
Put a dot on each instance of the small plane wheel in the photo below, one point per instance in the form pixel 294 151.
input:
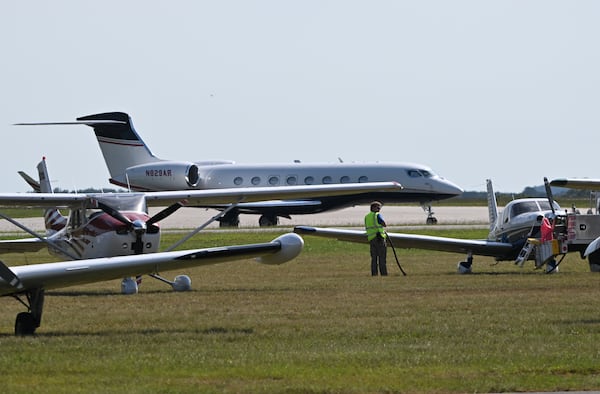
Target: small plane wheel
pixel 594 260
pixel 25 324
pixel 464 268
pixel 431 220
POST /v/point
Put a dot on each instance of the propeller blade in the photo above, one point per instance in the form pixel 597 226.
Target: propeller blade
pixel 115 214
pixel 164 213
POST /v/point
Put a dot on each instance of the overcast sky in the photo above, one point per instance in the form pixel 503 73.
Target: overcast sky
pixel 507 90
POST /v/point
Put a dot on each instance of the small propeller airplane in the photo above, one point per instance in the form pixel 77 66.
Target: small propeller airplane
pixel 112 236
pixel 509 231
pixel 132 165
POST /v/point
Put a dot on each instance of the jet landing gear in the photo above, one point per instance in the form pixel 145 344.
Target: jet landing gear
pixel 230 219
pixel 268 220
pixel 430 218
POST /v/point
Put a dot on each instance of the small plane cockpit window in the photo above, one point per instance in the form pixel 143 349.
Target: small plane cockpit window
pixel 523 207
pixel 363 179
pixel 426 173
pixel 291 180
pixel 274 181
pixel 327 179
pixel 345 179
pixel 238 180
pixel 309 180
pixel 414 173
pixel 255 180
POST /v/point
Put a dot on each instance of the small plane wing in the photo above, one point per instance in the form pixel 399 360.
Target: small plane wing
pixel 577 183
pixel 199 197
pixel 416 241
pixel 25 245
pixel 18 279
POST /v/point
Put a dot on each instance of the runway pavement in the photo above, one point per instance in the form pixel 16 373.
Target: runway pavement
pixel 394 216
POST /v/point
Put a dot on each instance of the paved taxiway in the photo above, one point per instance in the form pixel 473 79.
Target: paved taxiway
pixel 394 216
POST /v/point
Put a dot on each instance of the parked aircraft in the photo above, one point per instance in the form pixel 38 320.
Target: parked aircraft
pixel 31 281
pixel 509 231
pixel 132 165
pixel 118 225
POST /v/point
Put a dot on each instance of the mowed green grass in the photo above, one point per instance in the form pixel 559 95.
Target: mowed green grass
pixel 318 324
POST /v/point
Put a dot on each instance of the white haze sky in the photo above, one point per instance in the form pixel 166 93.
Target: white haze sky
pixel 507 90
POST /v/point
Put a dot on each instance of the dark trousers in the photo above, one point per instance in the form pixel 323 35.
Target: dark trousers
pixel 378 256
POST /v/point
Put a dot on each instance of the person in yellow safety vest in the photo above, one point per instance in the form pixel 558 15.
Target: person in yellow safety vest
pixel 374 224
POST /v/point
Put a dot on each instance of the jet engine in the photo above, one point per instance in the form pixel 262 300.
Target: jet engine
pixel 164 175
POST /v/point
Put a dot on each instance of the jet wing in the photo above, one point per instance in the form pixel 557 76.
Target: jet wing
pixel 416 241
pixel 253 194
pixel 199 197
pixel 62 274
pixel 577 183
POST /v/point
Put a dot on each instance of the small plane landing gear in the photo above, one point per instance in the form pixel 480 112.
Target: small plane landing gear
pixel 594 260
pixel 27 322
pixel 464 267
pixel 430 218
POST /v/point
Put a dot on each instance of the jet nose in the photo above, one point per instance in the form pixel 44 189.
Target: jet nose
pixel 453 188
pixel 448 188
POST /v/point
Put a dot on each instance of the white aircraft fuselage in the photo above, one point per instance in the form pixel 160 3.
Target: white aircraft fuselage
pixel 133 166
pixel 419 183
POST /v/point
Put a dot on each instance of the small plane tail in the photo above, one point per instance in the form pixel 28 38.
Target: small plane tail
pixel 492 204
pixel 120 144
pixel 53 220
pixel 44 183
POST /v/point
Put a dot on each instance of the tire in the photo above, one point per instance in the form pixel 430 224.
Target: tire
pixel 25 324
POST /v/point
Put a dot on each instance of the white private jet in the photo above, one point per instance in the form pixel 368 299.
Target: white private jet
pixel 111 236
pixel 509 231
pixel 132 165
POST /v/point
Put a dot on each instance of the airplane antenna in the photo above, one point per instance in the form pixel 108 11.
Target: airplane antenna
pixel 340 160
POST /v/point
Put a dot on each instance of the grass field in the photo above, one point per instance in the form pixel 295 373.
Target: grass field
pixel 319 324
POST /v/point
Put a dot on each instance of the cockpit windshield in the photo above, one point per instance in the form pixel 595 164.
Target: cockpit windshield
pixel 415 173
pixel 531 206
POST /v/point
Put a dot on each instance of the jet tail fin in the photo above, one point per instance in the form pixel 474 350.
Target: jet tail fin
pixel 492 204
pixel 120 144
